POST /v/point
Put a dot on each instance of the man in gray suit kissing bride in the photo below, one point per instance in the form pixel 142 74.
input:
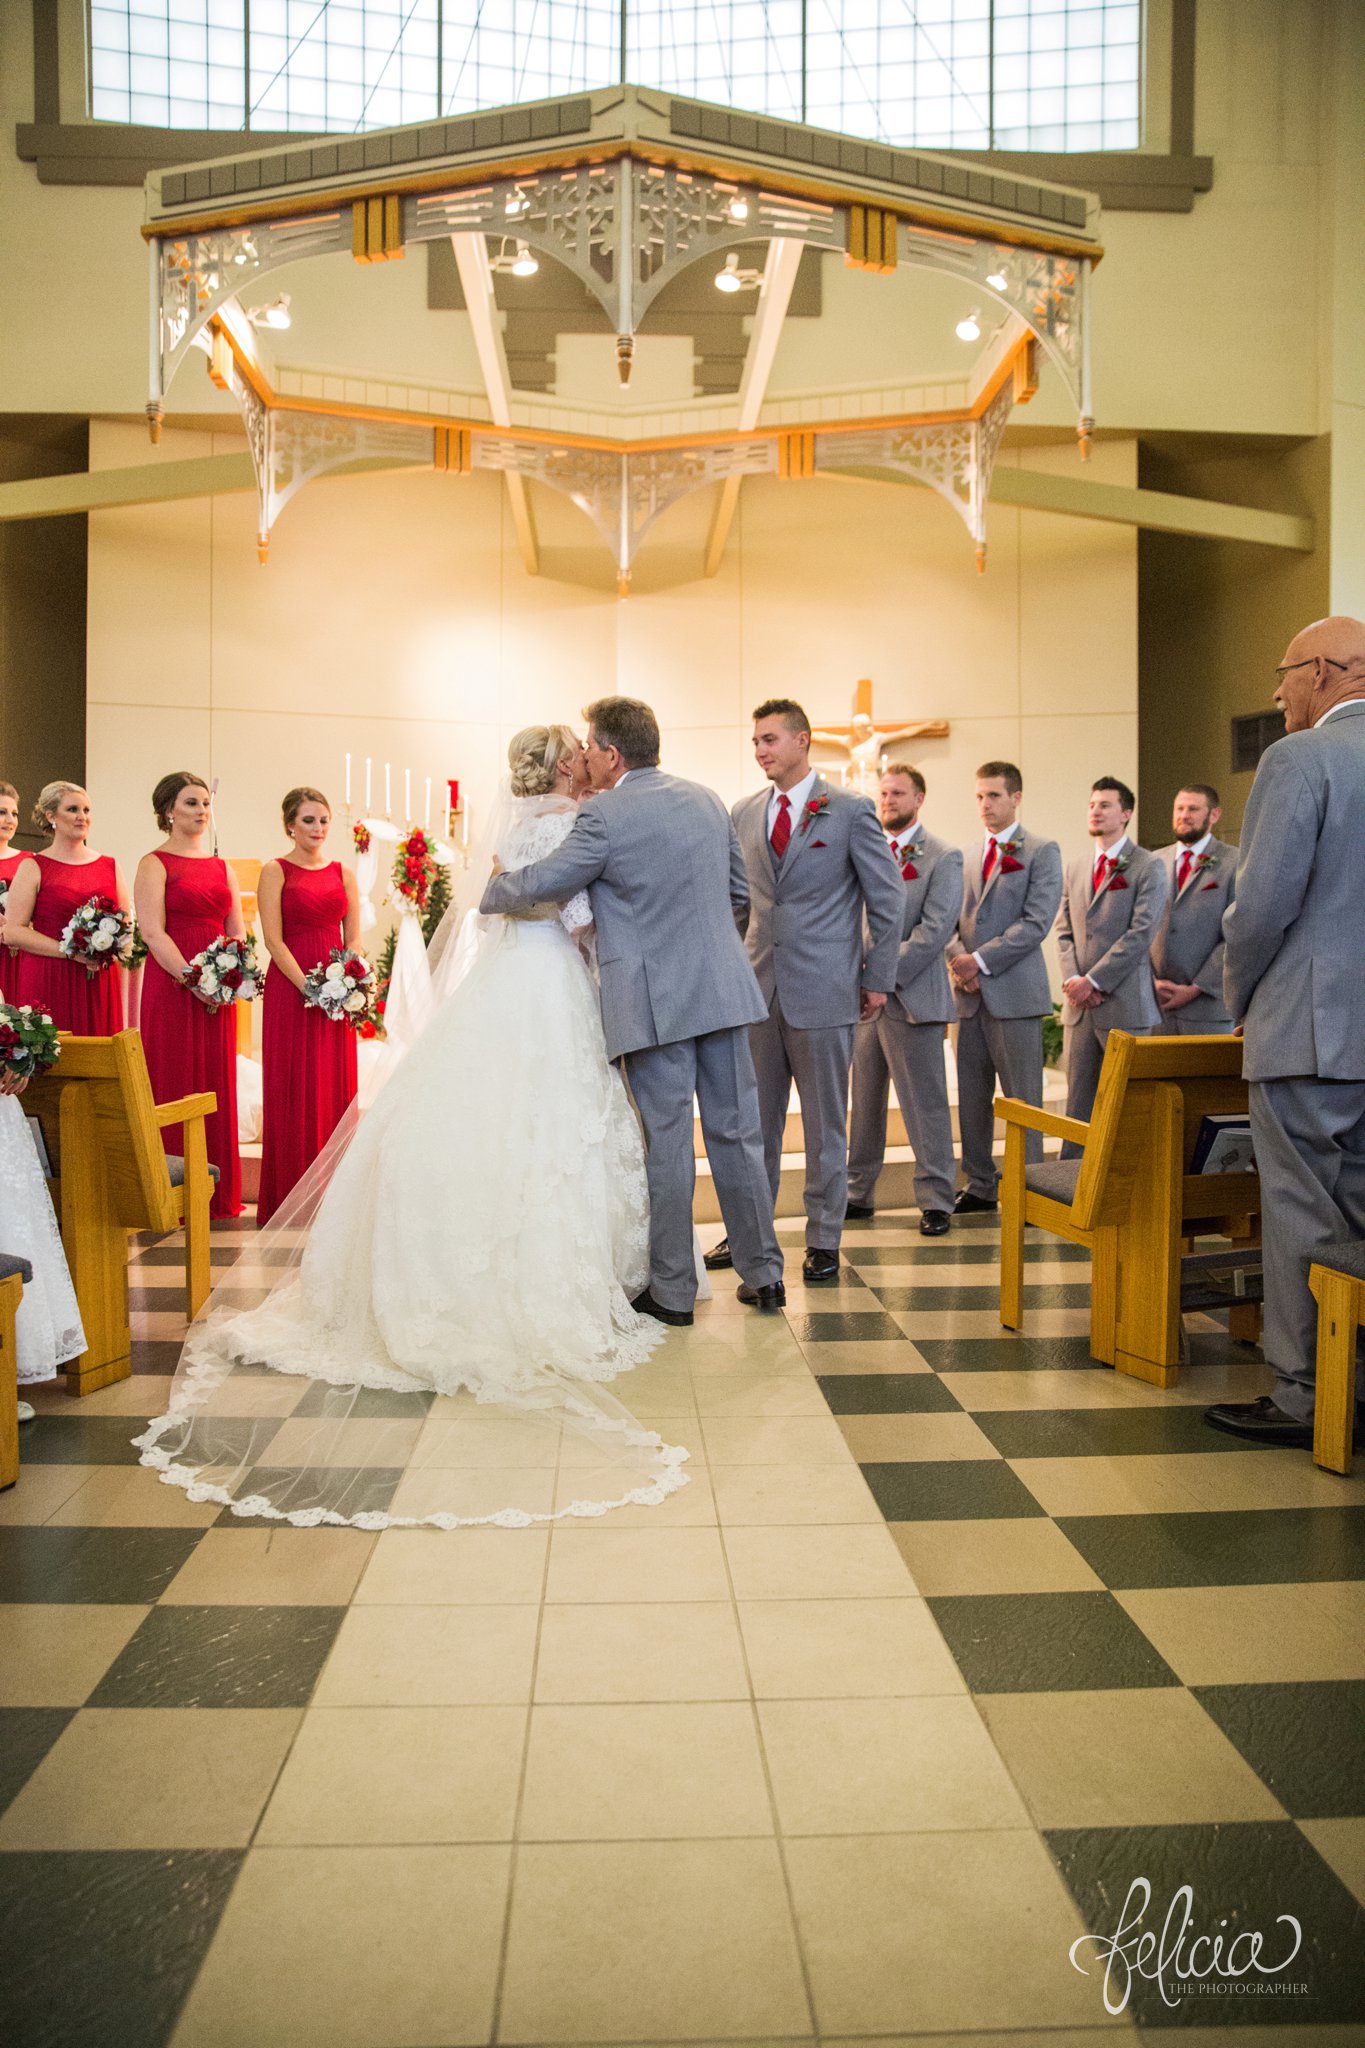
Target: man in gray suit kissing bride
pixel 662 865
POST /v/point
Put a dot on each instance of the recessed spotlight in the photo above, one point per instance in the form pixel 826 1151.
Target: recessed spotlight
pixel 733 279
pixel 970 328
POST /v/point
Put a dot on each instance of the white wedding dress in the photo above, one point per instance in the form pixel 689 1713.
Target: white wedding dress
pixel 455 1277
pixel 48 1328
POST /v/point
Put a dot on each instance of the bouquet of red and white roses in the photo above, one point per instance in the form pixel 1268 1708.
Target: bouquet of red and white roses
pixel 344 990
pixel 100 934
pixel 28 1040
pixel 227 971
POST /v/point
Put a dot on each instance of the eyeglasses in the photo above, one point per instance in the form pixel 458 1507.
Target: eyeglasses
pixel 1281 673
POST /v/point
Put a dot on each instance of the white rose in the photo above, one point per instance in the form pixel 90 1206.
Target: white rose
pixel 355 1001
pixel 208 984
pixel 247 992
pixel 108 924
pixel 100 942
pixel 335 971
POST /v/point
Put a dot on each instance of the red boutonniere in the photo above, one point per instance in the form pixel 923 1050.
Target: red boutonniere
pixel 1010 866
pixel 816 808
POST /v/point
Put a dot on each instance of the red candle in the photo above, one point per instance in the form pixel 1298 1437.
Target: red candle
pixel 453 786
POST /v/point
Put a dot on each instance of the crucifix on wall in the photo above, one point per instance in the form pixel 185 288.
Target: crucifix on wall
pixel 866 744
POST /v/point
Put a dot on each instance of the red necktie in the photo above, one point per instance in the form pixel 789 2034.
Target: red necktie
pixel 782 828
pixel 1182 873
pixel 896 851
pixel 1102 867
pixel 988 865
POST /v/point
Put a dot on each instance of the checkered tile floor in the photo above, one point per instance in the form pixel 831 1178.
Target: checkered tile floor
pixel 953 1637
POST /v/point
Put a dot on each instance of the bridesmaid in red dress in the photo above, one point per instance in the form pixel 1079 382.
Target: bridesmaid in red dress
pixel 308 905
pixel 11 964
pixel 186 897
pixel 46 890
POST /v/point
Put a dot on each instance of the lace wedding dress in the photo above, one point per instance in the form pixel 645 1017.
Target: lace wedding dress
pixel 454 1280
pixel 48 1328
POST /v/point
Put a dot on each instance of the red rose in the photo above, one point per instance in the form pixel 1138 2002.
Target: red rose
pixel 233 978
pixel 367 1029
pixel 356 969
pixel 1117 882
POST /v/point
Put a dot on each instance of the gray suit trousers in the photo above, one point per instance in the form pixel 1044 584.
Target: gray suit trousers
pixel 1007 1051
pixel 1309 1137
pixel 1082 1056
pixel 818 1061
pixel 886 1048
pixel 717 1069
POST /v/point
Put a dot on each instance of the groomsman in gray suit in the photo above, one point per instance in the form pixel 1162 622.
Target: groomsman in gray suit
pixel 1295 943
pixel 817 865
pixel 660 860
pixel 1111 906
pixel 904 1041
pixel 1012 887
pixel 1187 952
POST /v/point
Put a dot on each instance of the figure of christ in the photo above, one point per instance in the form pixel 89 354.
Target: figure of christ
pixel 866 743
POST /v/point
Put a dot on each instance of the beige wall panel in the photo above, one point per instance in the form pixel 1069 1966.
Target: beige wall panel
pixel 129 750
pixel 1060 758
pixel 848 579
pixel 1077 620
pixel 149 613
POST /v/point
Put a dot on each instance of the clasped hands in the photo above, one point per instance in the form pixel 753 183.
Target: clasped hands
pixel 1173 995
pixel 965 972
pixel 1082 993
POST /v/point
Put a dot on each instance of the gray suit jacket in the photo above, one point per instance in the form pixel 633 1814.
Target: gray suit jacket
pixel 660 859
pixel 1006 923
pixel 803 925
pixel 1188 946
pixel 1109 937
pixel 1296 933
pixel 933 898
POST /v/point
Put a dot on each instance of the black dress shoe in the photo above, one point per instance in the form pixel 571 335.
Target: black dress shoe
pixel 968 1204
pixel 818 1267
pixel 719 1260
pixel 770 1298
pixel 1261 1422
pixel 859 1212
pixel 935 1223
pixel 678 1318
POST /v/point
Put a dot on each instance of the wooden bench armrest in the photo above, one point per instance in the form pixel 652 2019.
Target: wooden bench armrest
pixel 187 1107
pixel 1011 1111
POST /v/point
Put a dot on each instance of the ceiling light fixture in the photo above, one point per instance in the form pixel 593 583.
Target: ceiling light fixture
pixel 515 262
pixel 739 207
pixel 516 204
pixel 997 280
pixel 970 328
pixel 733 279
pixel 276 314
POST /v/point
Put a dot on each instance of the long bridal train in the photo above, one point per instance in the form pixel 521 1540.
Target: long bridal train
pixel 427 1331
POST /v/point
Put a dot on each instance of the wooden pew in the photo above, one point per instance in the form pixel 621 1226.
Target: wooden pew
pixel 13 1273
pixel 1130 1198
pixel 1337 1280
pixel 103 1134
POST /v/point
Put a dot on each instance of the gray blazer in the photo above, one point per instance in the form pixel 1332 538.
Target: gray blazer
pixel 660 858
pixel 803 925
pixel 1188 946
pixel 1109 937
pixel 1296 933
pixel 933 898
pixel 1006 923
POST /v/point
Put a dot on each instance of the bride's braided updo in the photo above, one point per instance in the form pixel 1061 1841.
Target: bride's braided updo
pixel 534 756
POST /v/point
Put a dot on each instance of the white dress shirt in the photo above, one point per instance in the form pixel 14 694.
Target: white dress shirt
pixel 798 798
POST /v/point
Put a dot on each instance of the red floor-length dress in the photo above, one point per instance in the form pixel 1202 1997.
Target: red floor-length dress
pixel 12 964
pixel 91 1005
pixel 308 1062
pixel 190 1048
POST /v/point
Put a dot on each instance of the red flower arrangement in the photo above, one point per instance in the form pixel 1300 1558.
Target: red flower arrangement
pixel 414 870
pixel 816 808
pixel 360 833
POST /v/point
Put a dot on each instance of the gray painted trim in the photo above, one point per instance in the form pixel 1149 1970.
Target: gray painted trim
pixel 46 62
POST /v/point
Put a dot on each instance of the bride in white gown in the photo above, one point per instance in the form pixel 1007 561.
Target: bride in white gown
pixel 453 1279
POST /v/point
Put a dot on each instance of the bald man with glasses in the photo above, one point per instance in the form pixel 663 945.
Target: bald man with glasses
pixel 1295 941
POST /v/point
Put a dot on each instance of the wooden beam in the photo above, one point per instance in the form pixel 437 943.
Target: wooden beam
pixel 476 282
pixel 104 490
pixel 1042 490
pixel 774 296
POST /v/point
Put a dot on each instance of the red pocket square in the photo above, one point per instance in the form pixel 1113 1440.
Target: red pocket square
pixel 909 873
pixel 1207 885
pixel 819 842
pixel 1010 866
pixel 1117 882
